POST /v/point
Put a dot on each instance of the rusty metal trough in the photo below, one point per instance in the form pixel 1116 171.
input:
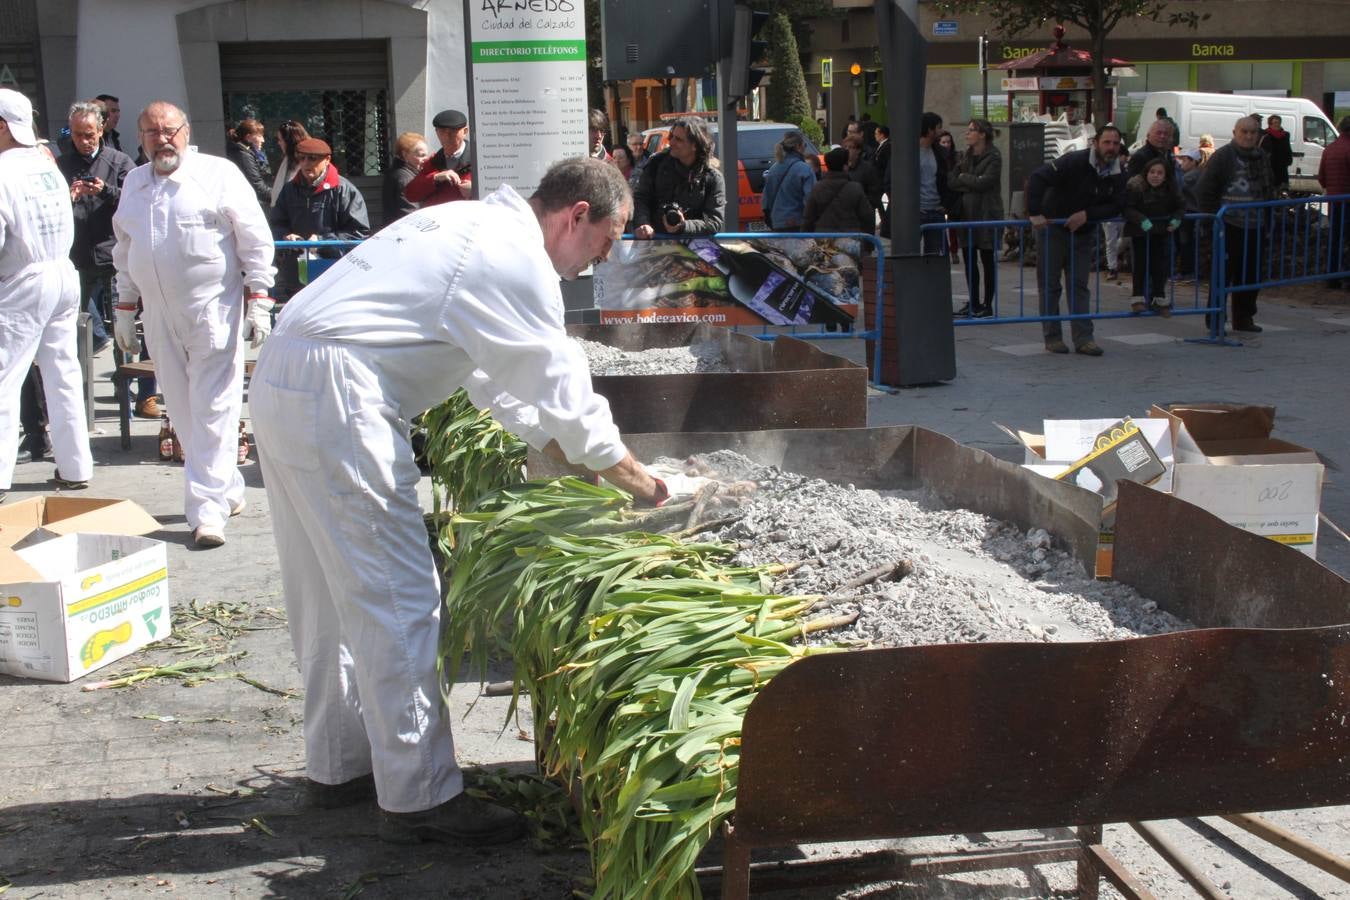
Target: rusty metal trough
pixel 1248 713
pixel 784 383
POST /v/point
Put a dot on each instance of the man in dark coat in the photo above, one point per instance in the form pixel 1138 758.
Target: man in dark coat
pixel 1239 173
pixel 1334 175
pixel 1082 187
pixel 318 204
pixel 95 173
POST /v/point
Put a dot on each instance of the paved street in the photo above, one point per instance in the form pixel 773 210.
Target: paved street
pixel 189 791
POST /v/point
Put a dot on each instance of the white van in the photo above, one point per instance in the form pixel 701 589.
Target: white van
pixel 1214 114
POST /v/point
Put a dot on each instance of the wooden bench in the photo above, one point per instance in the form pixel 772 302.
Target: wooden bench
pixel 127 372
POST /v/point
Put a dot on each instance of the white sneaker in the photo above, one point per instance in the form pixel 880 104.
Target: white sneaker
pixel 209 536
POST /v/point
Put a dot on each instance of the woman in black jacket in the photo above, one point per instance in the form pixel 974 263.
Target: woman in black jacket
pixel 245 151
pixel 976 181
pixel 410 151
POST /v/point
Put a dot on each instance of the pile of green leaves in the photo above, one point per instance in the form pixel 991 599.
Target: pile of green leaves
pixel 470 454
pixel 640 653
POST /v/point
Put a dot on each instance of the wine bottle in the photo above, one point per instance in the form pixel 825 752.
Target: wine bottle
pixel 758 283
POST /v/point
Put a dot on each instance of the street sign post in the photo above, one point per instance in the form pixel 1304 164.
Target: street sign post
pixel 827 72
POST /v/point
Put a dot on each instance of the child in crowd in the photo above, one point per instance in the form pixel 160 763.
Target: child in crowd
pixel 1153 210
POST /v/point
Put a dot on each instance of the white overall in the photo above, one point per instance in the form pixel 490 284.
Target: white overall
pixel 187 245
pixel 457 294
pixel 39 306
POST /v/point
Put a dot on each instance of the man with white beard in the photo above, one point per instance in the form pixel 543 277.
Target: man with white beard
pixel 191 239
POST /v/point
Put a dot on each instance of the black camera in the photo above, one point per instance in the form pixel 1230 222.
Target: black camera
pixel 672 214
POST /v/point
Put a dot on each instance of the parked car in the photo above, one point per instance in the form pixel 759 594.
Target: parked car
pixel 1214 114
pixel 755 143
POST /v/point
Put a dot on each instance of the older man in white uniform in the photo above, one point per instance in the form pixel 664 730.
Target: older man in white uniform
pixel 457 294
pixel 39 296
pixel 190 239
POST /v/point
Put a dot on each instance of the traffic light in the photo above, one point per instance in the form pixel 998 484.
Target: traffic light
pixel 746 50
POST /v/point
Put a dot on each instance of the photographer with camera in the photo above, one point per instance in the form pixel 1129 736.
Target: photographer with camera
pixel 679 191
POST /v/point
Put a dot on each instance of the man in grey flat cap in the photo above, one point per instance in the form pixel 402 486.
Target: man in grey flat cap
pixel 448 174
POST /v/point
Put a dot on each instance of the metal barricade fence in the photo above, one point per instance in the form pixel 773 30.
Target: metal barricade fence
pixel 1078 260
pixel 871 306
pixel 1279 242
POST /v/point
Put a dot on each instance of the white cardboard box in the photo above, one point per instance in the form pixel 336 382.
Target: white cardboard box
pixel 95 599
pixel 1220 457
pixel 72 601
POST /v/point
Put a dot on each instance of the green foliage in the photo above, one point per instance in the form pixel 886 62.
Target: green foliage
pixel 788 99
pixel 640 652
pixel 811 128
pixel 1096 17
pixel 470 454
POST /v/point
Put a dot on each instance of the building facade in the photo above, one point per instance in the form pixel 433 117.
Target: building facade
pixel 357 72
pixel 1297 48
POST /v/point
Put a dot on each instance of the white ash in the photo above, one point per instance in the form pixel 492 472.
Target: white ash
pixel 701 357
pixel 974 578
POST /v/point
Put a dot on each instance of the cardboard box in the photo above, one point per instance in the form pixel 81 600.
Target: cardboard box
pixel 1219 456
pixel 72 602
pixel 1243 475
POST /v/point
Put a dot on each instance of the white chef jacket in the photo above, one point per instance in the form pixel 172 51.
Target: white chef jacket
pixel 190 237
pixel 464 294
pixel 36 222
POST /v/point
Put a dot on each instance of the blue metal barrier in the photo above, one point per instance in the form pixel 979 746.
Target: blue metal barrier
pixel 1278 242
pixel 316 265
pixel 769 332
pixel 1195 230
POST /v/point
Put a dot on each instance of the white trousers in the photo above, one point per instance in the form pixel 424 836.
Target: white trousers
pixel 39 307
pixel 200 365
pixel 362 593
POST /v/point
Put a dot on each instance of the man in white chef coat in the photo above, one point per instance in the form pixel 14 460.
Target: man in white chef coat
pixel 461 294
pixel 39 296
pixel 191 239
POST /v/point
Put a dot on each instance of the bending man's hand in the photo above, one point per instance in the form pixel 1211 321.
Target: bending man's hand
pixel 627 475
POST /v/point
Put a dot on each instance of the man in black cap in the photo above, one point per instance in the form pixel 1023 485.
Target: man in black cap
pixel 448 174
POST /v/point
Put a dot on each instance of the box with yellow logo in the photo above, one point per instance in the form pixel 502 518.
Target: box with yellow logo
pixel 72 603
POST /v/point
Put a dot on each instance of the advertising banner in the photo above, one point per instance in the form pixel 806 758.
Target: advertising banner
pixel 765 281
pixel 528 70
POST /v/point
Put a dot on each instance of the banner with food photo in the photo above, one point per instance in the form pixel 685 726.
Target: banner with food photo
pixel 761 281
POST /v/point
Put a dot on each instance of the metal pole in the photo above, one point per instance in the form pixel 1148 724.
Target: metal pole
pixel 727 150
pixel 984 72
pixel 1174 857
pixel 904 61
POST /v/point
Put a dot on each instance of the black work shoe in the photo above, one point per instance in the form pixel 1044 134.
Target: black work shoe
pixel 36 445
pixel 963 311
pixel 69 484
pixel 1056 345
pixel 461 819
pixel 1248 326
pixel 982 312
pixel 1088 348
pixel 335 796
